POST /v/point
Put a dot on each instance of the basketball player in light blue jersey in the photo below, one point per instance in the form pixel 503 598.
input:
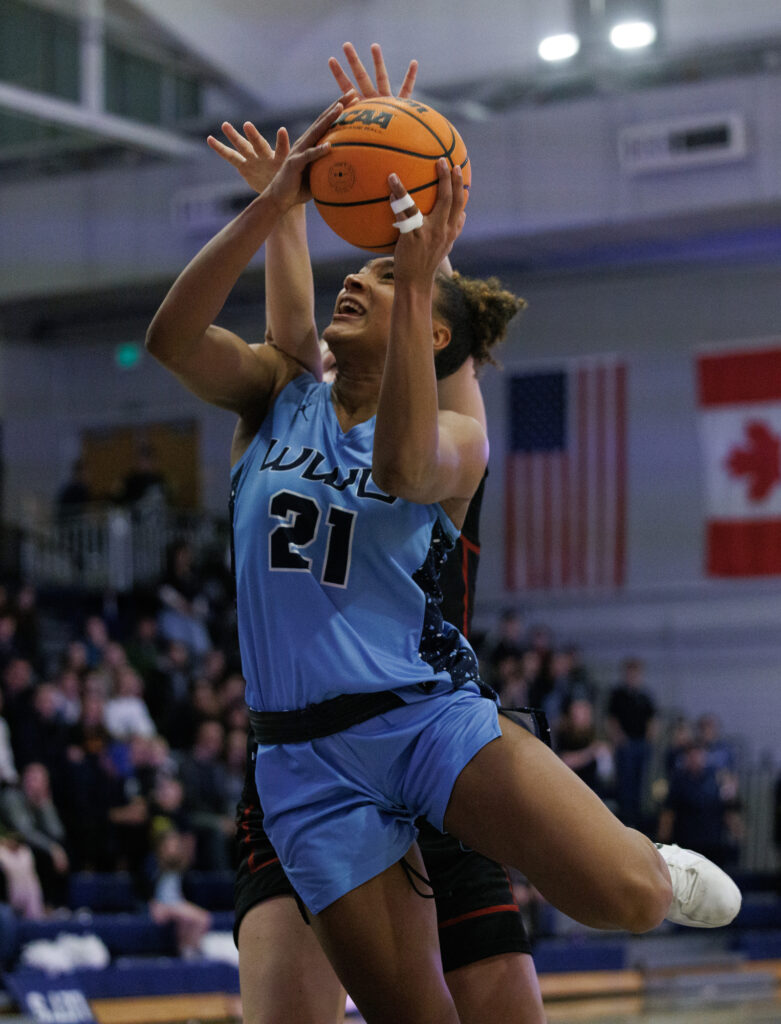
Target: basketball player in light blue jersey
pixel 395 724
pixel 484 948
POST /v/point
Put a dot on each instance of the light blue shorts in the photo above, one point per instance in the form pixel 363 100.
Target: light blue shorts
pixel 341 809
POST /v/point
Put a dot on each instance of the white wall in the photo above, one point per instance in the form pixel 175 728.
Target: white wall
pixel 545 170
pixel 49 395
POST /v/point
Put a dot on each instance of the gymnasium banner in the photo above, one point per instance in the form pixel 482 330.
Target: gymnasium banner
pixel 565 476
pixel 48 999
pixel 740 423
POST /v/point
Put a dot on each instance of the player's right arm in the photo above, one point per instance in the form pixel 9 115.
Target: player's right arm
pixel 290 293
pixel 290 296
pixel 214 363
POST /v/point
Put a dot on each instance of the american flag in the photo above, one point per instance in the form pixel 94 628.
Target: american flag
pixel 565 477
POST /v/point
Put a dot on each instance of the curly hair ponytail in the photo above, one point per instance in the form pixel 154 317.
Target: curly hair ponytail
pixel 477 311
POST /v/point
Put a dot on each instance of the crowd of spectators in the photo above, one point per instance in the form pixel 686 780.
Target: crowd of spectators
pixel 123 746
pixel 675 781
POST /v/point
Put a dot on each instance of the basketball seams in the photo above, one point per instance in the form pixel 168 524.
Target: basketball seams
pixel 377 199
pixel 384 145
pixel 405 110
pixel 380 199
pixel 449 152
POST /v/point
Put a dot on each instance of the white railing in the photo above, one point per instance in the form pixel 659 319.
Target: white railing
pixel 111 548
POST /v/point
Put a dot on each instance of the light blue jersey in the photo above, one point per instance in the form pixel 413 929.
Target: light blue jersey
pixel 336 581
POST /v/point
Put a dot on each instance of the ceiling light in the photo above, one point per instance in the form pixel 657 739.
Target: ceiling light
pixel 632 35
pixel 559 47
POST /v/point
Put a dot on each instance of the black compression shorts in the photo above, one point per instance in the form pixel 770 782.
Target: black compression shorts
pixel 477 913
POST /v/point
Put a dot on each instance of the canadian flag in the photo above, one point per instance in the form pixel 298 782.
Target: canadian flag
pixel 740 407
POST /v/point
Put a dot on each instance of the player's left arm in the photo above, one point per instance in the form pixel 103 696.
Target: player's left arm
pixel 460 392
pixel 421 453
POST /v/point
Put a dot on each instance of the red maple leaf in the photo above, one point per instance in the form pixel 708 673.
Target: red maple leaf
pixel 759 461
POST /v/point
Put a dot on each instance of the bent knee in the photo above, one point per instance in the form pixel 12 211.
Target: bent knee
pixel 645 900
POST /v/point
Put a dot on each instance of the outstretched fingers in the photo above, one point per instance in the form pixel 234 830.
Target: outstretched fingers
pixel 282 145
pixel 451 197
pixel 242 150
pixel 380 71
pixel 239 142
pixel 367 88
pixel 251 155
pixel 230 155
pixel 336 69
pixel 382 78
pixel 259 144
pixel 248 149
pixel 363 80
pixel 408 85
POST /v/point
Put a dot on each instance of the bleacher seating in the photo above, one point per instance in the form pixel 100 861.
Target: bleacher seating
pixel 212 890
pixel 579 953
pixel 107 905
pixel 122 934
pixel 758 945
pixel 759 912
pixel 144 964
pixel 115 892
pixel 145 977
pixel 102 892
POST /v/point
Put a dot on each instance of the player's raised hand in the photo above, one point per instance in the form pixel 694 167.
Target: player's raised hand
pixel 256 161
pixel 424 242
pixel 287 187
pixel 365 87
pixel 250 154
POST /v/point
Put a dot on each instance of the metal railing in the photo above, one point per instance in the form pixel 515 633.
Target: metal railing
pixel 113 548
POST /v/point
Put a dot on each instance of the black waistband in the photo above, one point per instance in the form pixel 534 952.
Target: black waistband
pixel 339 713
pixel 533 719
pixel 323 719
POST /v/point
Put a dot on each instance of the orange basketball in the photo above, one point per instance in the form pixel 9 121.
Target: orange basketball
pixel 372 139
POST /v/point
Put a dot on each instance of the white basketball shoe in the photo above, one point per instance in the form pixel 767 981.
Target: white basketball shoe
pixel 703 895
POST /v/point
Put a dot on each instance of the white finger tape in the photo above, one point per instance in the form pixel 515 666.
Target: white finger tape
pixel 405 226
pixel 404 203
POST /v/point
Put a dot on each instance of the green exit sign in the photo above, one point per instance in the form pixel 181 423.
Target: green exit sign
pixel 127 355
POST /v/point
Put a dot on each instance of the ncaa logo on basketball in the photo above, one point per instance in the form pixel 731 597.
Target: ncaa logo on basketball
pixel 371 118
pixel 341 176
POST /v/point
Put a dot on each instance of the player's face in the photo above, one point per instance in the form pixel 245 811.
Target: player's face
pixel 363 306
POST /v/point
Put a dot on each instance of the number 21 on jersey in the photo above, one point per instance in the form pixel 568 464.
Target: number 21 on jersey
pixel 299 522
